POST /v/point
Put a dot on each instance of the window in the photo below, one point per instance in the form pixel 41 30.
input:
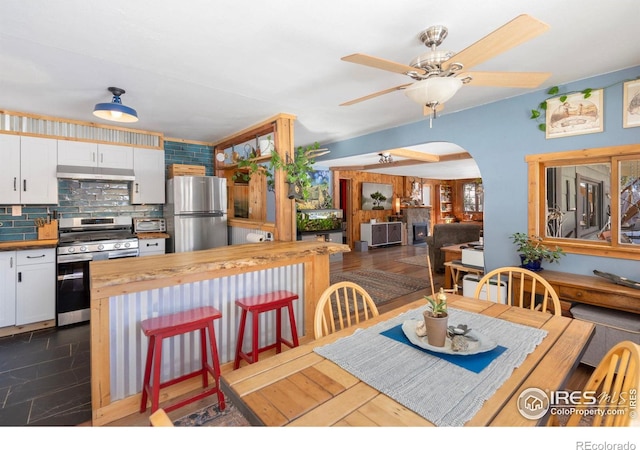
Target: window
pixel 472 197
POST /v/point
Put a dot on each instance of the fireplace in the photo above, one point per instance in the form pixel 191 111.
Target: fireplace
pixel 419 232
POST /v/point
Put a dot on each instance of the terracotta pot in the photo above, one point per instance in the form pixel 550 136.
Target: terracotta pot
pixel 436 329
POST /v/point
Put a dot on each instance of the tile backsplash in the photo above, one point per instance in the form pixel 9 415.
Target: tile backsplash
pixel 76 198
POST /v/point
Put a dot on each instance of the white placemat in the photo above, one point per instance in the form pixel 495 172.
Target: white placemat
pixel 441 392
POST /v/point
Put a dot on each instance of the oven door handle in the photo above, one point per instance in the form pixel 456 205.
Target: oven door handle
pixel 71 276
pixel 63 259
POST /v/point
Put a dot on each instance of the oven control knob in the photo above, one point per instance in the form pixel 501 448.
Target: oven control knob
pixel 83 249
pixel 117 245
pixel 127 244
pixel 71 249
pixel 100 247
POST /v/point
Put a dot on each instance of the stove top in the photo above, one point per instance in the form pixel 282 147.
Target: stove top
pixel 87 238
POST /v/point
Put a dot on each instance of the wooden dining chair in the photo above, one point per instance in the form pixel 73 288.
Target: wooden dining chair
pixel 612 383
pixel 341 305
pixel 517 279
pixel 160 419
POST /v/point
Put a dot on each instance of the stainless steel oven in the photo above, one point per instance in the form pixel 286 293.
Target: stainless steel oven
pixel 82 240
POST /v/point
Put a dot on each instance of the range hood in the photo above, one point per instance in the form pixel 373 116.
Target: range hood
pixel 95 173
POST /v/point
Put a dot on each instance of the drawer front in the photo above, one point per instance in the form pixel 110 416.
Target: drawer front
pixel 36 256
pixel 599 298
pixel 149 246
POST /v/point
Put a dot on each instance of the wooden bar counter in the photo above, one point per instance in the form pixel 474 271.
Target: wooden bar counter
pixel 126 291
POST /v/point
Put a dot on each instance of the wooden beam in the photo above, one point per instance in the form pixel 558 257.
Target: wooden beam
pixel 412 154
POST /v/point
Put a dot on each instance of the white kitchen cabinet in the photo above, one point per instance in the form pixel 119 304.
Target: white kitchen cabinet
pixel 149 168
pixel 151 247
pixel 30 167
pixel 383 233
pixel 89 154
pixel 7 288
pixel 35 285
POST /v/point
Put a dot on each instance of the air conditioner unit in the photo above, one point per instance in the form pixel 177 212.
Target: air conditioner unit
pixel 497 293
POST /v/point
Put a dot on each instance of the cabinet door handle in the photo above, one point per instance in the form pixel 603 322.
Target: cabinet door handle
pixel 93 157
pixel 35 257
pixel 152 245
pixel 24 185
pixel 19 277
pixel 15 183
pixel 11 262
pixel 101 158
pixel 137 188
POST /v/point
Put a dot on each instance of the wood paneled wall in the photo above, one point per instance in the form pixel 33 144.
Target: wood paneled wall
pixel 358 215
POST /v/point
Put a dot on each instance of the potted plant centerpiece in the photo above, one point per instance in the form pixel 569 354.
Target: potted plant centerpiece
pixel 436 318
pixel 532 251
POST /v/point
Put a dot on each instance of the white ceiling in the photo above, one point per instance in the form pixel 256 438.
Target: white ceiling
pixel 204 69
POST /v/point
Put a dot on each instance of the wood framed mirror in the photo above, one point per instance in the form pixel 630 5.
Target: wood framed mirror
pixel 587 201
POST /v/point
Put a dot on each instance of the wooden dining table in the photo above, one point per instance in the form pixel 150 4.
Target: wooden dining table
pixel 301 388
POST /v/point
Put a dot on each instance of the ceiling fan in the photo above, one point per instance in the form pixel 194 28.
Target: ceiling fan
pixel 439 74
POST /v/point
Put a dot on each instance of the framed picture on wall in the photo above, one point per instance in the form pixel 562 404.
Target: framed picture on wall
pixel 631 104
pixel 376 196
pixel 575 115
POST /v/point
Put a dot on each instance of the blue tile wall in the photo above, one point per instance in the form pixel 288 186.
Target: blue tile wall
pixel 99 198
pixel 193 154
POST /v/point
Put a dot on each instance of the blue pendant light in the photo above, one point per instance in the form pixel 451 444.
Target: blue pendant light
pixel 115 111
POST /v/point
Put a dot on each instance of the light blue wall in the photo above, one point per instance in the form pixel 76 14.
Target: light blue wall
pixel 498 136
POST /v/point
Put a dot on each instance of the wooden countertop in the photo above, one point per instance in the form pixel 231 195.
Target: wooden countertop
pixel 28 245
pixel 152 236
pixel 121 276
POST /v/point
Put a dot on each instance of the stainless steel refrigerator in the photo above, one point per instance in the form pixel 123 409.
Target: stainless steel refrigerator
pixel 196 213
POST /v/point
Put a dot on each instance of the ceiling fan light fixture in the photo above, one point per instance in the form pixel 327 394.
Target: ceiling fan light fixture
pixel 433 91
pixel 115 111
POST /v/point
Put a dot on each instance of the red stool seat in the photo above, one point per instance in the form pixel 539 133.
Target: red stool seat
pixel 257 304
pixel 159 328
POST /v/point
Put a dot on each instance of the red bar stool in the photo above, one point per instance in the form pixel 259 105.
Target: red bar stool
pixel 159 328
pixel 262 303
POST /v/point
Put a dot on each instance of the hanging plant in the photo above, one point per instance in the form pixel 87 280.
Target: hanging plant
pixel 537 114
pixel 297 169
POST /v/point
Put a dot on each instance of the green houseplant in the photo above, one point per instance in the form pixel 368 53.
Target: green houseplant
pixel 297 170
pixel 532 251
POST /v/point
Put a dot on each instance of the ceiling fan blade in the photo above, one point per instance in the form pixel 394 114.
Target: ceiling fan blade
pixel 375 94
pixel 507 79
pixel 379 63
pixel 518 31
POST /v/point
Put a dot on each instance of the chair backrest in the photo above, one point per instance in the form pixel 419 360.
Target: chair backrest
pixel 160 419
pixel 517 279
pixel 340 306
pixel 612 383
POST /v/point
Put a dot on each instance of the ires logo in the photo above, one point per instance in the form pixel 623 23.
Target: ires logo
pixel 534 403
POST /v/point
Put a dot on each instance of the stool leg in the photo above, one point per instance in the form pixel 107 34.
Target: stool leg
pixel 292 323
pixel 157 365
pixel 215 362
pixel 243 319
pixel 147 374
pixel 254 338
pixel 203 356
pixel 278 330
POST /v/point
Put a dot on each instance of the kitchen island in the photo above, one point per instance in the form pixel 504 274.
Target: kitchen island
pixel 126 291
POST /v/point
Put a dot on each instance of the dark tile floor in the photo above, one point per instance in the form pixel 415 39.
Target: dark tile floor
pixel 45 377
